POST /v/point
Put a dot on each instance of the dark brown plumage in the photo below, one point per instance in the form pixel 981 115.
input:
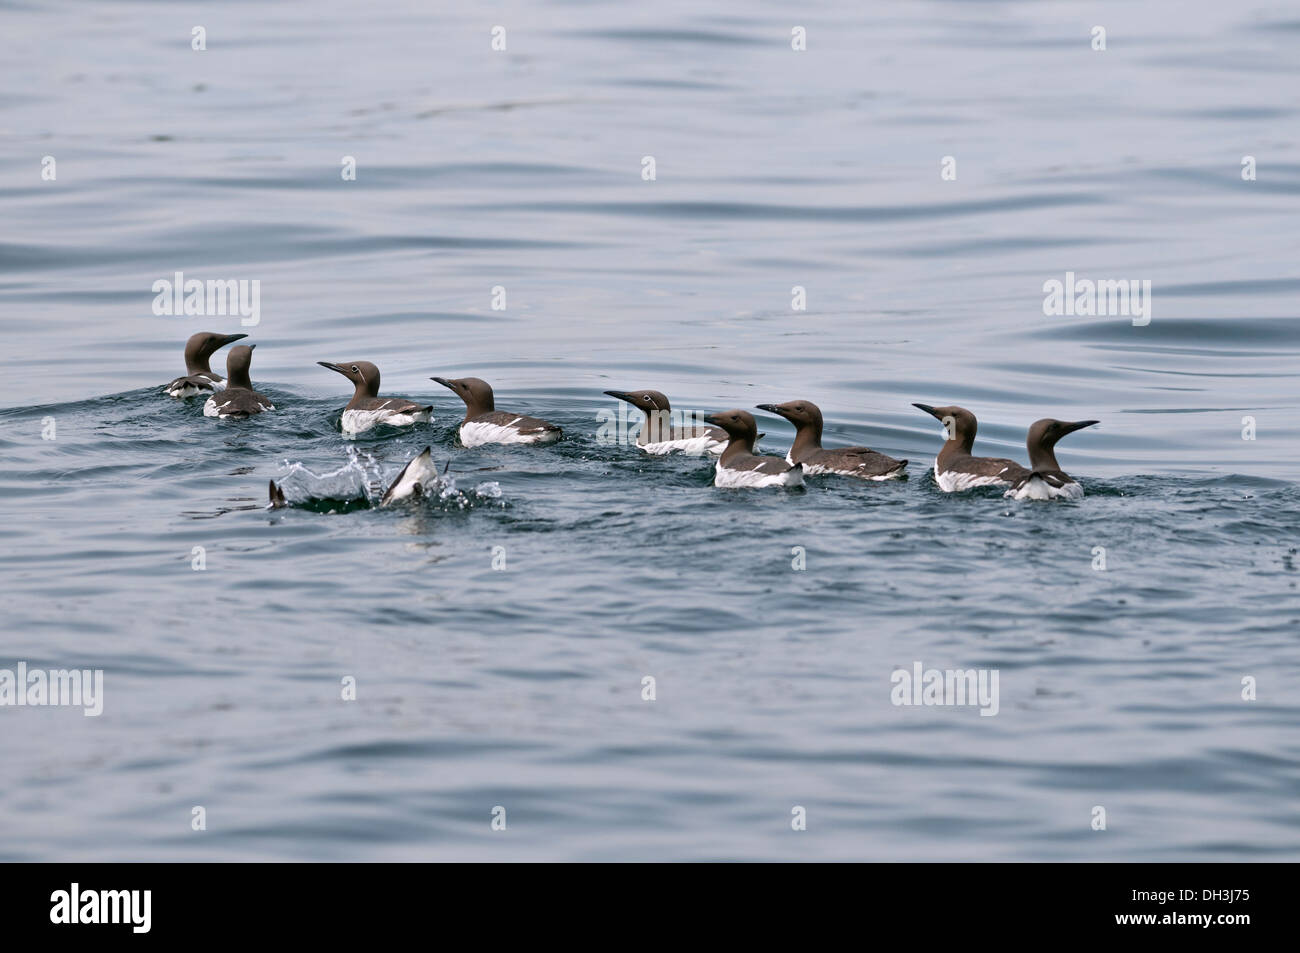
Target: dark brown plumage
pixel 861 462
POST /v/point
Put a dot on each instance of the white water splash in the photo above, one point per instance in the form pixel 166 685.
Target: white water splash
pixel 351 481
pixel 365 478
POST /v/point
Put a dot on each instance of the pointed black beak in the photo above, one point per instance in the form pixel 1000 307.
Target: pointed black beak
pixel 251 346
pixel 927 408
pixel 231 339
pixel 712 419
pixel 1078 425
pixel 620 394
pixel 444 382
pixel 332 367
pixel 770 408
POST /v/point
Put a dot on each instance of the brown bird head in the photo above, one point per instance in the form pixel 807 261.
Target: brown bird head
pixel 237 362
pixel 647 400
pixel 1043 435
pixel 476 394
pixel 200 348
pixel 807 420
pixel 739 425
pixel 958 423
pixel 363 374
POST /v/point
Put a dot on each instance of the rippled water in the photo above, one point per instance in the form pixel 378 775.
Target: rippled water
pixel 522 688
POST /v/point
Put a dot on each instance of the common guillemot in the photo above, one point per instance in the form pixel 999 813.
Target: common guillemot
pixel 738 466
pixel 1048 481
pixel 238 400
pixel 199 378
pixel 860 462
pixel 367 408
pixel 483 423
pixel 659 436
pixel 411 484
pixel 954 468
pixel 278 502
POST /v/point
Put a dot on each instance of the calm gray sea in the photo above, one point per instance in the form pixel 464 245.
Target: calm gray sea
pixel 523 173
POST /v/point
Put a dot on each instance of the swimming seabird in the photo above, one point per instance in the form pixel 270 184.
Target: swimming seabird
pixel 483 423
pixel 860 462
pixel 738 466
pixel 955 469
pixel 1047 481
pixel 659 436
pixel 199 378
pixel 238 400
pixel 367 408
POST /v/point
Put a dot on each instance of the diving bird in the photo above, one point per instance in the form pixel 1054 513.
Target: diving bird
pixel 738 466
pixel 483 423
pixel 414 482
pixel 278 502
pixel 1048 481
pixel 860 462
pixel 199 378
pixel 367 408
pixel 238 400
pixel 955 469
pixel 658 436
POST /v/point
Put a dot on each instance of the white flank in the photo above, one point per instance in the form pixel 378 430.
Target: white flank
pixel 954 481
pixel 193 390
pixel 1036 488
pixel 813 469
pixel 359 421
pixel 214 409
pixel 746 478
pixel 475 434
pixel 692 446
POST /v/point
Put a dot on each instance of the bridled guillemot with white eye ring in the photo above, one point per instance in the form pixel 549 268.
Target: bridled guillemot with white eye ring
pixel 860 462
pixel 367 408
pixel 199 377
pixel 658 436
pixel 483 423
pixel 738 466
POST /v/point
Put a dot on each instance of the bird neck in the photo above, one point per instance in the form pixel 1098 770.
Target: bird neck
pixel 807 439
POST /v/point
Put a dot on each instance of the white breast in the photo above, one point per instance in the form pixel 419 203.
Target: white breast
pixel 477 433
pixel 954 481
pixel 359 421
pixel 1036 488
pixel 737 478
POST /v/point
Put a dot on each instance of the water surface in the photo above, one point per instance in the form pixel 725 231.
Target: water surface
pixel 522 687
